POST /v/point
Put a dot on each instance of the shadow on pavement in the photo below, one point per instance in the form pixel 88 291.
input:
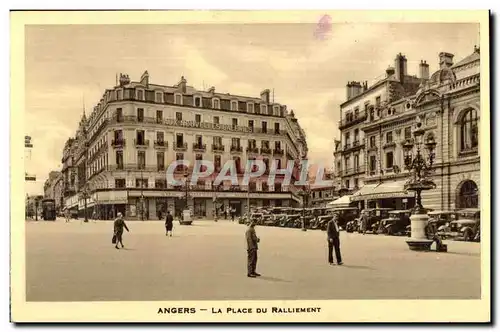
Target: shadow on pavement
pixel 272 279
pixel 361 267
pixel 464 254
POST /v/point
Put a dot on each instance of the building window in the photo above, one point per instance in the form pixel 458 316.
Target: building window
pixel 356 162
pixel 235 142
pixel 159 116
pixel 119 94
pixel 250 124
pixel 468 195
pixel 197 118
pixel 347 138
pixel 199 156
pixel 178 116
pixel 408 133
pixel 276 110
pixel 347 184
pixel 388 137
pixel 237 164
pixel 160 136
pixel 178 99
pixel 179 140
pixel 278 163
pixel 277 187
pixel 140 95
pixel 277 128
pixel 377 101
pixel 139 136
pixel 160 184
pixel 140 114
pixel 263 109
pixel 119 159
pixel 235 122
pixel 199 140
pixel 469 131
pixel 372 141
pixel 141 159
pixel 119 183
pixel 179 156
pixel 215 103
pixel 347 163
pixel 141 183
pixel 160 160
pixel 217 162
pixel 265 144
pixel 218 141
pixel 356 183
pixel 197 101
pixel 118 136
pixel 264 127
pixel 250 107
pixel 216 120
pixel 356 135
pixel 277 145
pixel 234 106
pixel 159 97
pixel 389 160
pixel 373 164
pixel 252 144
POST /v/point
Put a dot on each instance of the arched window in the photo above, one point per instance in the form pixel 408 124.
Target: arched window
pixel 469 131
pixel 468 195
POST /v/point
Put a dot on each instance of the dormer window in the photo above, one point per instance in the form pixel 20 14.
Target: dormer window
pixel 234 105
pixel 178 99
pixel 140 94
pixel 197 101
pixel 276 110
pixel 250 107
pixel 216 103
pixel 263 109
pixel 159 97
pixel 119 94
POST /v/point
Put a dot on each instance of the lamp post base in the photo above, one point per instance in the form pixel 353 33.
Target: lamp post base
pixel 418 240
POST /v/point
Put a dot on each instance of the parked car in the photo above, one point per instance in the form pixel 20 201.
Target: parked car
pixel 466 227
pixel 375 216
pixel 439 221
pixel 396 223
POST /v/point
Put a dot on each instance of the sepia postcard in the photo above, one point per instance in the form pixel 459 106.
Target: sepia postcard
pixel 250 166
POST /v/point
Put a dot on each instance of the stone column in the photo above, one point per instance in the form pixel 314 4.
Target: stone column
pixel 418 240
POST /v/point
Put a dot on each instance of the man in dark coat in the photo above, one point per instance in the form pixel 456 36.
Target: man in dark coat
pixel 332 232
pixel 169 224
pixel 252 247
pixel 118 229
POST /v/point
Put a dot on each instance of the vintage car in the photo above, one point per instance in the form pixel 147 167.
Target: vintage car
pixel 374 219
pixel 439 221
pixel 396 223
pixel 466 227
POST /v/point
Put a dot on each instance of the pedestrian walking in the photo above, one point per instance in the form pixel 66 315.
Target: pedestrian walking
pixel 118 230
pixel 233 211
pixel 169 224
pixel 332 232
pixel 252 247
pixel 225 214
pixel 66 215
pixel 364 222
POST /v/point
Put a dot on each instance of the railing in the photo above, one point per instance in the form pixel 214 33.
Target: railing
pixel 222 127
pixel 118 142
pixel 351 171
pixel 217 148
pixel 347 146
pixel 141 143
pixel 180 146
pixel 252 149
pixel 199 147
pixel 265 151
pixel 161 144
pixel 471 80
pixel 236 148
pixel 389 145
pixel 278 152
pixel 349 121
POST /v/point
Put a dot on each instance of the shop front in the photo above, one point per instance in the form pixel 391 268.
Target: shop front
pixel 385 195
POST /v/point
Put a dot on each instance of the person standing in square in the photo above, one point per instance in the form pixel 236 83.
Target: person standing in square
pixel 333 235
pixel 169 224
pixel 252 247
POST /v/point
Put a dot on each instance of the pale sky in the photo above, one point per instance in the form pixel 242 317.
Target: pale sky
pixel 67 63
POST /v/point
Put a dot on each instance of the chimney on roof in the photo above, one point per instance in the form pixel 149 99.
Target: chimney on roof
pixel 423 70
pixel 182 84
pixel 211 90
pixel 400 65
pixel 389 71
pixel 354 89
pixel 445 60
pixel 365 86
pixel 145 79
pixel 264 95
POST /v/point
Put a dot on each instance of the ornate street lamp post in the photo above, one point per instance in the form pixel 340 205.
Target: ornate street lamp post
pixel 85 195
pixel 420 167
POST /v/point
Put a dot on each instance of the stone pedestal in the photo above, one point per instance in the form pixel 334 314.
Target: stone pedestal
pixel 418 241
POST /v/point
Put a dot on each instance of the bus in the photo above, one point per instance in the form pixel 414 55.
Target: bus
pixel 49 209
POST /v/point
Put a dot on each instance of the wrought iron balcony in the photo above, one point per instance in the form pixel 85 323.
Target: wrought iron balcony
pixel 252 149
pixel 118 142
pixel 180 146
pixel 235 148
pixel 199 147
pixel 161 144
pixel 217 148
pixel 389 145
pixel 265 151
pixel 141 143
pixel 278 152
pixel 352 120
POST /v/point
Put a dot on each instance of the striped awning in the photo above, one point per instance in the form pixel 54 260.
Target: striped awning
pixel 392 189
pixel 343 201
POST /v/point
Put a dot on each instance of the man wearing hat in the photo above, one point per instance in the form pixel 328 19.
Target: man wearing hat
pixel 252 247
pixel 332 232
pixel 118 230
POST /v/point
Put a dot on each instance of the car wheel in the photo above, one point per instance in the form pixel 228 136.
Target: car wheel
pixel 389 231
pixel 468 236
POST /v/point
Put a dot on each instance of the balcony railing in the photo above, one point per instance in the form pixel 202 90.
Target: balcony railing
pixel 161 144
pixel 278 152
pixel 180 146
pixel 389 145
pixel 352 120
pixel 265 151
pixel 141 143
pixel 218 126
pixel 236 148
pixel 252 149
pixel 118 142
pixel 217 148
pixel 199 147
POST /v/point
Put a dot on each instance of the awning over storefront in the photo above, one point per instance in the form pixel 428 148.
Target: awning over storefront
pixel 343 201
pixel 393 189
